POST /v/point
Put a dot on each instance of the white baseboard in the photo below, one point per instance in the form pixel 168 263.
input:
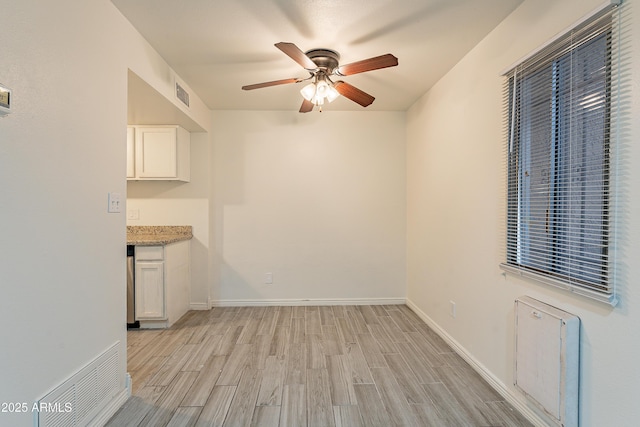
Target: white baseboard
pixel 333 301
pixel 112 407
pixel 515 400
pixel 200 306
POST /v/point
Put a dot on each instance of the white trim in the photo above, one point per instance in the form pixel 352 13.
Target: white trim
pixel 128 384
pixel 154 324
pixel 603 6
pixel 112 407
pixel 200 305
pixel 312 301
pixel 611 299
pixel 518 402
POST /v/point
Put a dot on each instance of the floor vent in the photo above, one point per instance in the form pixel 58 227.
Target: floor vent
pixel 79 399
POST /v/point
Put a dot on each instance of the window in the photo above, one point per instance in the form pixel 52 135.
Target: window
pixel 561 107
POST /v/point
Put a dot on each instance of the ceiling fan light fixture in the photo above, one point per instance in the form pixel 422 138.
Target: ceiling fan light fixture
pixel 332 94
pixel 318 91
pixel 308 91
pixel 322 88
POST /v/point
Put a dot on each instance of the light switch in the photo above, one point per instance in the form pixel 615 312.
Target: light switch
pixel 114 203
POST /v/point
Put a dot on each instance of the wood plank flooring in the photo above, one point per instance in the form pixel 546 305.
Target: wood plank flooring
pixel 304 366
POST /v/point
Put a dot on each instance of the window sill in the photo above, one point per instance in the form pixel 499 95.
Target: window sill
pixel 611 299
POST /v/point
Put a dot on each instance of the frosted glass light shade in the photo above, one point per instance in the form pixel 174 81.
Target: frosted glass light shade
pixel 332 94
pixel 319 91
pixel 308 91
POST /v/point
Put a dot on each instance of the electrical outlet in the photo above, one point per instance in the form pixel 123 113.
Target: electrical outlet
pixel 452 309
pixel 133 214
pixel 268 278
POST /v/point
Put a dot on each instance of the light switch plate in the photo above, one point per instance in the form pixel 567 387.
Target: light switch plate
pixel 5 100
pixel 114 203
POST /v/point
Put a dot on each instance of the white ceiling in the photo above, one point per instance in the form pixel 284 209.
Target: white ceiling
pixel 217 46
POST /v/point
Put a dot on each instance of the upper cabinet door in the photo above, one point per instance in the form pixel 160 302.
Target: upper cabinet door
pixel 161 153
pixel 157 153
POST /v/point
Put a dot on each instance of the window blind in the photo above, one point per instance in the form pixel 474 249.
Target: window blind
pixel 562 108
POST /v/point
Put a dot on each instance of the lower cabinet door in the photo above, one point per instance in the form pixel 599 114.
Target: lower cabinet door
pixel 149 281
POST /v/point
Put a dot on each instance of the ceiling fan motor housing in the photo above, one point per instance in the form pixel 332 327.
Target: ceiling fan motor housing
pixel 326 59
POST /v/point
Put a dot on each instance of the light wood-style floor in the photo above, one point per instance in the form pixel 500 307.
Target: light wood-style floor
pixel 304 366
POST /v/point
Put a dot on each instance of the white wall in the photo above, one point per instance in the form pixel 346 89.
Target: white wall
pixel 455 195
pixel 62 257
pixel 316 199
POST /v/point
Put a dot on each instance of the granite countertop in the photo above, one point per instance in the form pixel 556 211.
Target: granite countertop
pixel 150 235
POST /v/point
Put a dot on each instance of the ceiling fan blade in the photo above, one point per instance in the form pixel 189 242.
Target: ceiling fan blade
pixel 370 64
pixel 273 83
pixel 353 93
pixel 306 106
pixel 297 55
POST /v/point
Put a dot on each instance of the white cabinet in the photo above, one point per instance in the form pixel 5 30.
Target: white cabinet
pixel 163 283
pixel 149 290
pixel 158 153
pixel 131 152
pixel 149 281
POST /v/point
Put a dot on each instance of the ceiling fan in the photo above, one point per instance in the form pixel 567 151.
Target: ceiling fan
pixel 322 64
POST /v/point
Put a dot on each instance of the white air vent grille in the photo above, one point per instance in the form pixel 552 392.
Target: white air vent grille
pixel 79 399
pixel 547 359
pixel 182 94
pixel 57 415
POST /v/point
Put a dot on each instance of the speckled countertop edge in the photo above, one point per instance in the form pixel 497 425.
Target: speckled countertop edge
pixel 149 235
